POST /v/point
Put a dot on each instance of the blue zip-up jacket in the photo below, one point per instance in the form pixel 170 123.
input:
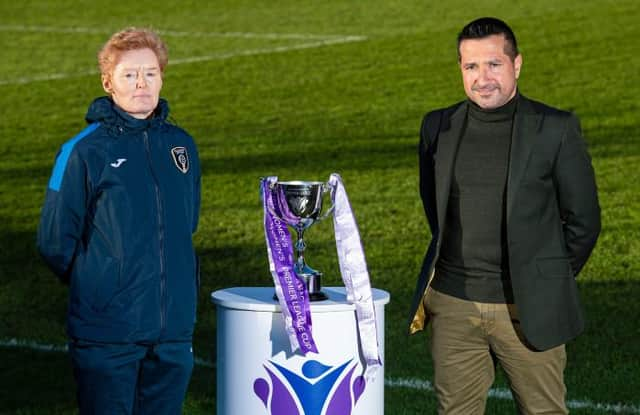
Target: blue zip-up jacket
pixel 117 223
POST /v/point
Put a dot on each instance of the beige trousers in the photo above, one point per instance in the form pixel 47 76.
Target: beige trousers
pixel 468 337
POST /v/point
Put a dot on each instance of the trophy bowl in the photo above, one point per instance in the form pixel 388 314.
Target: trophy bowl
pixel 304 199
pixel 303 208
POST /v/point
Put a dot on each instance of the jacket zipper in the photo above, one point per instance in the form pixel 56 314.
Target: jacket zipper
pixel 160 234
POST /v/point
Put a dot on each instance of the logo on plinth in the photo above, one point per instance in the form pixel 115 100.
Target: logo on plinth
pixel 318 390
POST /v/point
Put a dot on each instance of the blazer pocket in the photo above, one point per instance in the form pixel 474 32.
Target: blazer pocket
pixel 558 267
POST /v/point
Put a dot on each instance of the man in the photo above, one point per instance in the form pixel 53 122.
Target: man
pixel 510 196
pixel 120 210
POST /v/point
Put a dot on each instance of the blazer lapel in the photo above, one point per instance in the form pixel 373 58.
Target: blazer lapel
pixel 526 129
pixel 448 139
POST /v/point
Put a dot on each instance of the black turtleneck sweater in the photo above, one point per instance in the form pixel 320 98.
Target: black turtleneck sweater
pixel 473 257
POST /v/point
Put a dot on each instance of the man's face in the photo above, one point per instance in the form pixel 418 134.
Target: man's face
pixel 488 74
pixel 135 83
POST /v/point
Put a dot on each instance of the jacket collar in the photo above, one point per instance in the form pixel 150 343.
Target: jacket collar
pixel 105 111
pixel 526 132
pixel 447 148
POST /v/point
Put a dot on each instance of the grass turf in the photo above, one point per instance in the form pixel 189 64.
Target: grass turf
pixel 354 108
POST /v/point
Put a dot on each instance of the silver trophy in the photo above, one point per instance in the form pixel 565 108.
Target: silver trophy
pixel 304 208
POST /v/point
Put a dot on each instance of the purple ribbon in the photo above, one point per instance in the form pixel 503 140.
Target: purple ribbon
pixel 290 288
pixel 281 207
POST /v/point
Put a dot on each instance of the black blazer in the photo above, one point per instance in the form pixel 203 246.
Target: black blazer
pixel 552 214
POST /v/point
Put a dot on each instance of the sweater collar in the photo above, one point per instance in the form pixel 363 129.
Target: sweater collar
pixel 503 113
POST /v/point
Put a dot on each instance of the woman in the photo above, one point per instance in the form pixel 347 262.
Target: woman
pixel 117 223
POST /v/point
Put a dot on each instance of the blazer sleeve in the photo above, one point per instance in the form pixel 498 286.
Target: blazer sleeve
pixel 577 195
pixel 63 214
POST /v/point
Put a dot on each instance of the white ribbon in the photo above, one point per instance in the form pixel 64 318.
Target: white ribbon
pixel 353 267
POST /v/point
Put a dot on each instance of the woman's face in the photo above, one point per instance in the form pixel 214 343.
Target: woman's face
pixel 135 82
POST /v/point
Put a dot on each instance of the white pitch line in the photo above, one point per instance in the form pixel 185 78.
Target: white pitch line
pixel 192 59
pixel 239 35
pixel 277 49
pixel 31 345
pixel 501 393
pixel 408 383
pixel 51 29
pixel 46 77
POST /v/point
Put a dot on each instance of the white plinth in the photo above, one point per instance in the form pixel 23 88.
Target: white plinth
pixel 258 374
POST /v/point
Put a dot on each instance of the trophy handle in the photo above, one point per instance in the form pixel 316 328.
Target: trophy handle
pixel 327 187
pixel 327 213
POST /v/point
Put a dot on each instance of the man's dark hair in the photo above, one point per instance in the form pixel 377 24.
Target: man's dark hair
pixel 488 26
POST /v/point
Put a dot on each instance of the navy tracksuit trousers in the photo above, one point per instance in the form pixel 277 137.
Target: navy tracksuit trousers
pixel 131 379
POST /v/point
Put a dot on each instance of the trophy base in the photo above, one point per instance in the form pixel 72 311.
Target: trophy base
pixel 313 279
pixel 313 282
pixel 318 296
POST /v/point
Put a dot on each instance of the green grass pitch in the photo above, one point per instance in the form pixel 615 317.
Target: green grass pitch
pixel 300 90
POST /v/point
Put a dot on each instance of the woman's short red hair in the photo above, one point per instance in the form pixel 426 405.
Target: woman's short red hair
pixel 128 39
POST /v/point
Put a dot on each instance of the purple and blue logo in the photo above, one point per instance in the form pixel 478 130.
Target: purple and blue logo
pixel 289 393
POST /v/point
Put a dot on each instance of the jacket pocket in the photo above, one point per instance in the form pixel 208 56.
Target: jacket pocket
pixel 106 284
pixel 558 267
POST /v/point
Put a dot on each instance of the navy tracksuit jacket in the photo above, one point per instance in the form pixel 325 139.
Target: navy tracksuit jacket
pixel 117 223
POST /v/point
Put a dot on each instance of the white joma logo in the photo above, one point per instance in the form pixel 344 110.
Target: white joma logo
pixel 118 163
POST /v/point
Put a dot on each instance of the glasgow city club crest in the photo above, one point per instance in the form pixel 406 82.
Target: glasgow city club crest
pixel 180 158
pixel 318 390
